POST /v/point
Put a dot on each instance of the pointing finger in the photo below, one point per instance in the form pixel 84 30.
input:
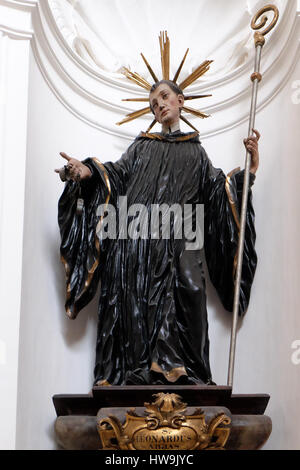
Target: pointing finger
pixel 64 155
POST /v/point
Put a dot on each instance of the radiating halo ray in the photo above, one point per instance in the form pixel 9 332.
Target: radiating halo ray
pixel 164 44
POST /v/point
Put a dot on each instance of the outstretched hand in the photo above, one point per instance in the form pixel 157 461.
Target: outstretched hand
pixel 251 144
pixel 75 169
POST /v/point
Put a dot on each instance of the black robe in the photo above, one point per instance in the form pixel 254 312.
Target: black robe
pixel 152 324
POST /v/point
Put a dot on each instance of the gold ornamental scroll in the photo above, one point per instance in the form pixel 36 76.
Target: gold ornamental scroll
pixel 165 428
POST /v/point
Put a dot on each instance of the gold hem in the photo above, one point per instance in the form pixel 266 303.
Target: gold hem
pixel 70 314
pixel 161 137
pixel 171 375
pixel 102 383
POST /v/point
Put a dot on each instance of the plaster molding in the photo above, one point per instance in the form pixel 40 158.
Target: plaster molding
pixel 26 5
pixel 16 33
pixel 15 18
pixel 84 91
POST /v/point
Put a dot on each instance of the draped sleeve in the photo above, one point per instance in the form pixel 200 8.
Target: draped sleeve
pixel 222 202
pixel 82 253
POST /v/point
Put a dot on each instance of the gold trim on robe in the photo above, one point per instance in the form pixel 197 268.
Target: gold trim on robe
pixel 183 138
pixel 171 375
pixel 91 271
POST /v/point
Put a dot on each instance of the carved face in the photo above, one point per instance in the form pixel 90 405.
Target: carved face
pixel 166 105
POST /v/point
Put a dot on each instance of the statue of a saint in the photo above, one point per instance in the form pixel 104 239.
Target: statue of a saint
pixel 152 311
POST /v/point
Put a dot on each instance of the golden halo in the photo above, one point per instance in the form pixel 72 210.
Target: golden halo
pixel 164 43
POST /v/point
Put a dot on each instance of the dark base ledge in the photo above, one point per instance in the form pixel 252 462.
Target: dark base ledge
pixel 194 395
pixel 76 429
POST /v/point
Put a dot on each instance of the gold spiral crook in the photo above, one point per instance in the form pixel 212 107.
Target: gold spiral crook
pixel 259 35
